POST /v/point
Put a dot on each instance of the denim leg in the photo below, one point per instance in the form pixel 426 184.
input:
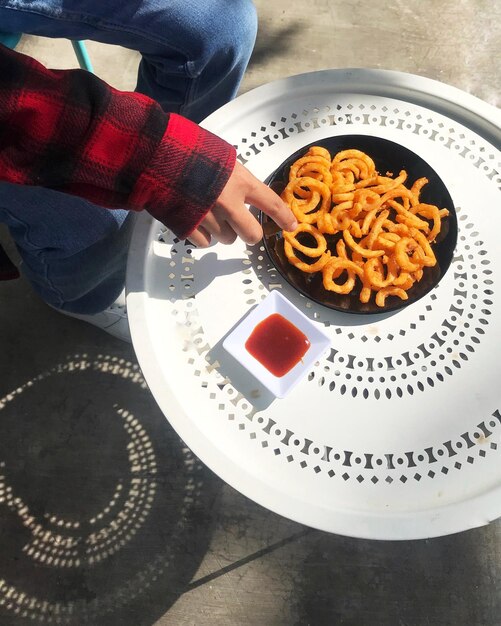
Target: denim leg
pixel 194 53
pixel 74 253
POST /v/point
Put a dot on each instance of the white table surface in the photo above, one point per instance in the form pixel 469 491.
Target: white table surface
pixel 395 434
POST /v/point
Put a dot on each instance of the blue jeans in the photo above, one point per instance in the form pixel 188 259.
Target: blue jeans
pixel 193 56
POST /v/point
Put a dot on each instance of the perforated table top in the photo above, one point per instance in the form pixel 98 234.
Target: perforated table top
pixel 395 434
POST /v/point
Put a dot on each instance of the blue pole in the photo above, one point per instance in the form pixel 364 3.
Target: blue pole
pixel 82 55
pixel 10 39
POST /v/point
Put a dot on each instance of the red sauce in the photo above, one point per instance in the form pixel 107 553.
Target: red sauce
pixel 277 344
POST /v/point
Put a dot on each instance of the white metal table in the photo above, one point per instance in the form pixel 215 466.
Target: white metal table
pixel 396 433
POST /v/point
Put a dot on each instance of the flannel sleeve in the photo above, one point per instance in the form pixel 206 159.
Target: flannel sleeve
pixel 69 131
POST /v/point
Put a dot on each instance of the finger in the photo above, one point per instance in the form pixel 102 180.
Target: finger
pixel 245 225
pixel 216 226
pixel 267 201
pixel 200 237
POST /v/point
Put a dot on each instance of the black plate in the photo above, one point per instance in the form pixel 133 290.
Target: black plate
pixel 388 157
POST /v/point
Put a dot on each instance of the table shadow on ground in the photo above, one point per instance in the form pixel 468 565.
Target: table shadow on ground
pixel 105 515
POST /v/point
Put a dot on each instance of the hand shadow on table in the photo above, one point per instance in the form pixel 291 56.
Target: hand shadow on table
pixel 186 276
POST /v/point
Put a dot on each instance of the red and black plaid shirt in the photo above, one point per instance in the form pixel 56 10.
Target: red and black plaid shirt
pixel 69 131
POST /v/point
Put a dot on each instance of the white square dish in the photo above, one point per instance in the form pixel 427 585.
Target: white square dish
pixel 275 302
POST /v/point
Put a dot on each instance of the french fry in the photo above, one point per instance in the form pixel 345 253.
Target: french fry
pixel 384 232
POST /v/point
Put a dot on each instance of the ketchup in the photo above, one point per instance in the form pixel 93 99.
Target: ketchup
pixel 277 344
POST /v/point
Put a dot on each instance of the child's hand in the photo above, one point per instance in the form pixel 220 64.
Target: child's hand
pixel 230 218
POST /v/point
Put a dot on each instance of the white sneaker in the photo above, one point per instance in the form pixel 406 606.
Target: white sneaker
pixel 113 320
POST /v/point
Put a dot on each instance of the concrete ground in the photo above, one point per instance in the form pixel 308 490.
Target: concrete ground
pixel 86 535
